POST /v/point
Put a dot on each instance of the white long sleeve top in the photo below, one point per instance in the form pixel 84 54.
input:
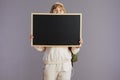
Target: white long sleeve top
pixel 56 55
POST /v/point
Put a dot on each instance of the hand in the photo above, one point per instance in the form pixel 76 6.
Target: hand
pixel 81 42
pixel 31 37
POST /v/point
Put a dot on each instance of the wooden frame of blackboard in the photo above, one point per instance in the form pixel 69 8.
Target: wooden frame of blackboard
pixel 45 45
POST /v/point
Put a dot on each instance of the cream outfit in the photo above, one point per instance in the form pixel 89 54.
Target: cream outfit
pixel 57 62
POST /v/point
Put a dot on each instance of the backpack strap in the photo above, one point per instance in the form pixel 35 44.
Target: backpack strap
pixel 71 54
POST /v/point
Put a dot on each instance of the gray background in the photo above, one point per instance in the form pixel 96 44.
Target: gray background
pixel 99 55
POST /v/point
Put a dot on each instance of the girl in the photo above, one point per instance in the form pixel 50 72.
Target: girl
pixel 57 60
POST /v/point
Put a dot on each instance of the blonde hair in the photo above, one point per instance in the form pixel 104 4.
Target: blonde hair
pixel 57 4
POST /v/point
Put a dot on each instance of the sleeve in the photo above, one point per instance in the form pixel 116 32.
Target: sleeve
pixel 75 50
pixel 40 48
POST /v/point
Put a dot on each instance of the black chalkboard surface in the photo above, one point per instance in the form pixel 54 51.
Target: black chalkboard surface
pixel 49 29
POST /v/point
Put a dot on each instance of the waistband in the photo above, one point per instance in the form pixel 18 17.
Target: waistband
pixel 57 62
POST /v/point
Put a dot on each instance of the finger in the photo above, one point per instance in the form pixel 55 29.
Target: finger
pixel 31 37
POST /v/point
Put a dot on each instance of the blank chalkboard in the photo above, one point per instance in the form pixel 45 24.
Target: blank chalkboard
pixel 50 29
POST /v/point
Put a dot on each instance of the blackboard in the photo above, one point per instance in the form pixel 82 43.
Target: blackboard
pixel 49 29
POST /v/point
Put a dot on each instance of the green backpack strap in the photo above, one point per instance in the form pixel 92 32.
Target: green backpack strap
pixel 74 57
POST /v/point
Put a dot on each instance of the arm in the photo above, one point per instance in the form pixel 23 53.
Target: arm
pixel 39 48
pixel 75 50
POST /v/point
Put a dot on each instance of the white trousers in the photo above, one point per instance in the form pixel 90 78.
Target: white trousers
pixel 58 71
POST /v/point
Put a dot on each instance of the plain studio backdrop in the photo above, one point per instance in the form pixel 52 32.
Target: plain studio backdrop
pixel 99 55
